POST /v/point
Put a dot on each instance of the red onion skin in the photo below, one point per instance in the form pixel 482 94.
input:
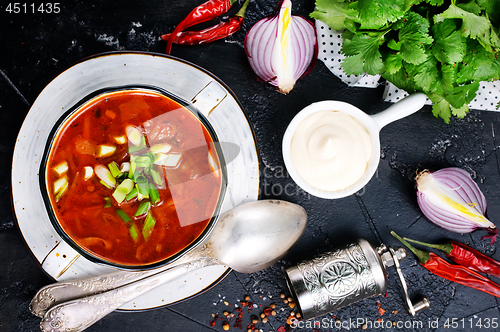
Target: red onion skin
pixel 456 178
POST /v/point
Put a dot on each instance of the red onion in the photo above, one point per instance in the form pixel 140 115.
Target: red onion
pixel 282 48
pixel 452 200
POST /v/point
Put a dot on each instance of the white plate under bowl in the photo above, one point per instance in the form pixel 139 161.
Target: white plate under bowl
pixel 118 69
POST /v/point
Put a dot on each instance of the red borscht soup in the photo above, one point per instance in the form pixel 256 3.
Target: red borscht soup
pixel 133 177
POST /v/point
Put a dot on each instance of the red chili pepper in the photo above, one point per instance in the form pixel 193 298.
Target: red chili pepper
pixel 466 256
pixel 456 273
pixel 218 31
pixel 203 13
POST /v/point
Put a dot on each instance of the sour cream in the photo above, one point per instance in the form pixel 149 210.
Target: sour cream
pixel 330 150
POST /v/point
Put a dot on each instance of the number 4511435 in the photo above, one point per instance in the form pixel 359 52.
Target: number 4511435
pixel 33 8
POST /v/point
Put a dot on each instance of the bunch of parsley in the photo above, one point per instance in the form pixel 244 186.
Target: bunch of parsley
pixel 441 48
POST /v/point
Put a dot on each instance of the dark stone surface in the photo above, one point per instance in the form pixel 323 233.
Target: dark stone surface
pixel 37 47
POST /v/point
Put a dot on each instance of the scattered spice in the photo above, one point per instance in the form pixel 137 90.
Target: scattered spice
pixel 225 326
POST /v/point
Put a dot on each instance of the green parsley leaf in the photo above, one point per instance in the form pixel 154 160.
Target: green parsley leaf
pixel 442 109
pixel 333 13
pixel 362 54
pixel 472 25
pixel 460 112
pixel 414 34
pixel 449 45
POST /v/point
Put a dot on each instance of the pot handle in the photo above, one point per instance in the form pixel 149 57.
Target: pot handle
pixel 59 259
pixel 399 110
pixel 209 98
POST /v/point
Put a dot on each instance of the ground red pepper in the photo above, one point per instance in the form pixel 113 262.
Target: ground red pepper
pixel 203 13
pixel 456 273
pixel 466 256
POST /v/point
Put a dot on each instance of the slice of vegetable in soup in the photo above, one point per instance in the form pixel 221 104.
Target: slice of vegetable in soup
pixel 134 177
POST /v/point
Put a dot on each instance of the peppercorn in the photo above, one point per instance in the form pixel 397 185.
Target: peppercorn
pixel 273 313
pixel 225 326
pixel 255 320
pixel 273 305
pixel 282 295
pixel 264 320
pixel 247 297
pixel 262 315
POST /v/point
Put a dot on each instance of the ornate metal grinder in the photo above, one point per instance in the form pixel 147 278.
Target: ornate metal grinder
pixel 336 279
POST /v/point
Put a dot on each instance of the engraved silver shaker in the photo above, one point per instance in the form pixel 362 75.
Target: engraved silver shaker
pixel 341 277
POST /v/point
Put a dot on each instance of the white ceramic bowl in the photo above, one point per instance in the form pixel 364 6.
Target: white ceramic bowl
pixel 372 124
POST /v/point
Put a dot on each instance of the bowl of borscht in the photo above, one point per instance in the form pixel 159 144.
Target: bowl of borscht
pixel 133 177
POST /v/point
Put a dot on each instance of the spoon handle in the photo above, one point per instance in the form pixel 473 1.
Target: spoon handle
pixel 78 314
pixel 50 295
pixel 59 292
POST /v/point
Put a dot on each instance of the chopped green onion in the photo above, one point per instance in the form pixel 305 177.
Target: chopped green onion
pixel 142 185
pixel 149 225
pixel 119 196
pixel 143 161
pixel 60 187
pixel 59 184
pixel 105 176
pixel 126 186
pixel 107 202
pixel 132 194
pixel 132 228
pixel 134 135
pixel 154 195
pixel 113 168
pixel 105 184
pixel 132 168
pixel 156 177
pixel 143 208
pixel 135 148
pixel 122 190
pixel 134 232
pixel 122 214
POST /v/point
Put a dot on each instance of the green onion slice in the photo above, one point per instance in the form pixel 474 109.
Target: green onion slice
pixel 132 194
pixel 113 168
pixel 149 225
pixel 154 195
pixel 105 176
pixel 143 208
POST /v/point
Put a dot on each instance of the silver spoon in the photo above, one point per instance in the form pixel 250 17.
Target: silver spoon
pixel 269 227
